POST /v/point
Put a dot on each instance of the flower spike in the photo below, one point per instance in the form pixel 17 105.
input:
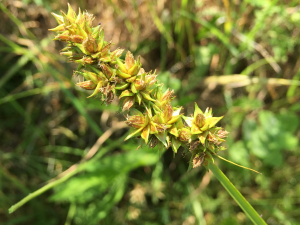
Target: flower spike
pixel 152 116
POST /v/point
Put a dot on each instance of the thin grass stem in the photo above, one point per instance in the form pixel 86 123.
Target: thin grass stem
pixel 236 195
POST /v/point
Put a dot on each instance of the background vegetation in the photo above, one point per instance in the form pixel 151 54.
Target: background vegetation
pixel 239 57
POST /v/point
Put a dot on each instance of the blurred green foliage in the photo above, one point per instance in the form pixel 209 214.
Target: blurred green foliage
pixel 199 49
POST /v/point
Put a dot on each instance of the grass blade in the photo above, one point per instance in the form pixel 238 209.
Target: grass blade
pixel 236 195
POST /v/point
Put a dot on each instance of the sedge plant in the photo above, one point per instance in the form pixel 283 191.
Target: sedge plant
pixel 149 110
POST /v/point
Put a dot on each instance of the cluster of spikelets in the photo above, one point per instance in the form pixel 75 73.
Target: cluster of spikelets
pixel 151 114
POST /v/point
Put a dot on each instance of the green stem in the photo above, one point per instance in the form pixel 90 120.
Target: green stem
pixel 237 196
pixel 54 183
pixel 41 190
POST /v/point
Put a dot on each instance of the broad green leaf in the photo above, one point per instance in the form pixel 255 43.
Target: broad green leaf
pixel 238 153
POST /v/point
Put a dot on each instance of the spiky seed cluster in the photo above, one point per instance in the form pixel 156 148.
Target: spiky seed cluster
pixel 151 114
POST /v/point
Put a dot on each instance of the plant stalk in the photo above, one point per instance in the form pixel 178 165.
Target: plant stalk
pixel 236 195
pixel 41 190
